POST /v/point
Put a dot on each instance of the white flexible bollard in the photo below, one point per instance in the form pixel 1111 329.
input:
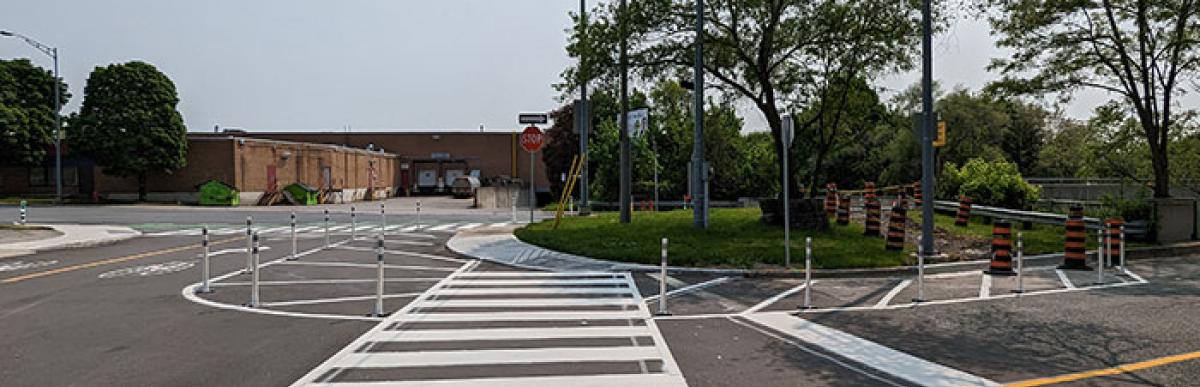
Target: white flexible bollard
pixel 353 225
pixel 379 278
pixel 295 252
pixel 1020 263
pixel 418 213
pixel 205 286
pixel 254 275
pixel 920 269
pixel 24 212
pixel 327 228
pixel 382 220
pixel 807 274
pixel 662 283
pixel 1123 270
pixel 1100 258
pixel 249 244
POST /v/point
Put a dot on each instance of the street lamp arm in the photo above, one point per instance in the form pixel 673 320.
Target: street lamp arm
pixel 49 51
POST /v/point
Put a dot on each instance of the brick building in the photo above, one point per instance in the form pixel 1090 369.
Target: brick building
pixel 357 165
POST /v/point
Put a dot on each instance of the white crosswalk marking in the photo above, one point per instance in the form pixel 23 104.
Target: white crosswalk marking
pixel 442 227
pixel 468 226
pixel 318 229
pixel 597 322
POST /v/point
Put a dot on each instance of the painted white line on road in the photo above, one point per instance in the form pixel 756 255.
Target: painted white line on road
pixel 325 282
pixel 582 332
pixel 975 299
pixel 336 300
pixel 526 316
pixel 405 253
pixel 890 361
pixel 1063 277
pixel 985 286
pixel 524 302
pixel 629 380
pixel 691 288
pixel 496 356
pixel 544 291
pixel 1136 277
pixel 887 298
pixel 468 226
pixel 776 298
pixel 442 227
pixel 366 265
pixel 328 364
pixel 515 274
pixel 831 359
pixel 535 282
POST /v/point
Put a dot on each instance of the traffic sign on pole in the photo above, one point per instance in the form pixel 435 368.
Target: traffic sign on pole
pixel 532 139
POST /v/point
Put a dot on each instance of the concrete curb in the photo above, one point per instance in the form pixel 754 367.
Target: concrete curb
pixel 73 236
pixel 463 244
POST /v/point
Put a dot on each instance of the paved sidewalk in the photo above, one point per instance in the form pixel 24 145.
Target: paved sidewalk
pixel 499 245
pixel 73 236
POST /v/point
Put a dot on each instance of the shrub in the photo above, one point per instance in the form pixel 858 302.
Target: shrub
pixel 989 183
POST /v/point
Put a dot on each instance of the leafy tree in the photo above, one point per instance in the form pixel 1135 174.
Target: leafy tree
pixel 128 123
pixel 991 183
pixel 778 55
pixel 1143 51
pixel 27 111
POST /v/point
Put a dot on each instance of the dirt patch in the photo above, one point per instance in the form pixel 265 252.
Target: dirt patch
pixel 25 234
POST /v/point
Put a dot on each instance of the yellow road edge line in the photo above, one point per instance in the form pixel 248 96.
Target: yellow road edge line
pixel 102 262
pixel 1121 369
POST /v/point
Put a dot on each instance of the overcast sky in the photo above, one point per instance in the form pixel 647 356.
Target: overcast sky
pixel 321 65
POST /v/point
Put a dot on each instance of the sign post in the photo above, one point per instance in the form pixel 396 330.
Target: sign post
pixel 787 204
pixel 532 140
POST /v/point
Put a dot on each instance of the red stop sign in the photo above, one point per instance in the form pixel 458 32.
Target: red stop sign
pixel 532 139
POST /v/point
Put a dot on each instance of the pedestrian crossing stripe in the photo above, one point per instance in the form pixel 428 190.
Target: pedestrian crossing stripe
pixel 516 298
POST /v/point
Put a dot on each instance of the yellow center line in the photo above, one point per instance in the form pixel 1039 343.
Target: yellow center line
pixel 108 261
pixel 1121 369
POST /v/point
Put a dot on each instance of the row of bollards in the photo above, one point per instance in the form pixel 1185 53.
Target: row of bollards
pixel 253 257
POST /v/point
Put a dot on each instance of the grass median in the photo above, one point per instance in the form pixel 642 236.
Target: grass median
pixel 737 239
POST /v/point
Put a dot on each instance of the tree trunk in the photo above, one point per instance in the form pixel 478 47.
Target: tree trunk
pixel 141 187
pixel 1162 175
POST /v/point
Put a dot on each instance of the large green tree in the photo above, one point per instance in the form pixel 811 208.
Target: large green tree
pixel 1147 52
pixel 129 123
pixel 27 111
pixel 778 55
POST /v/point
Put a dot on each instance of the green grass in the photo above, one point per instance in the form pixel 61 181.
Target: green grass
pixel 735 238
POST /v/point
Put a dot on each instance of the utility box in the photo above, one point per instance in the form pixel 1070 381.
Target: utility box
pixel 217 193
pixel 303 194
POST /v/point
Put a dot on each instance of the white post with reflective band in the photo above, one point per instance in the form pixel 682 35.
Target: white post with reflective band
pixel 379 278
pixel 920 269
pixel 807 274
pixel 254 275
pixel 327 228
pixel 1123 271
pixel 295 253
pixel 249 244
pixel 1020 263
pixel 382 220
pixel 353 225
pixel 1100 257
pixel 24 212
pixel 204 268
pixel 419 212
pixel 662 283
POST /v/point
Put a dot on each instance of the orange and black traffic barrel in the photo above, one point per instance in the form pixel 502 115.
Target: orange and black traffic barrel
pixel 963 218
pixel 1075 242
pixel 874 211
pixel 830 199
pixel 895 235
pixel 1002 254
pixel 843 210
pixel 1113 225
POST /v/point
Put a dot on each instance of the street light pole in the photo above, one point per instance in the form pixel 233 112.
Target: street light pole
pixel 52 52
pixel 584 114
pixel 699 170
pixel 927 182
pixel 626 188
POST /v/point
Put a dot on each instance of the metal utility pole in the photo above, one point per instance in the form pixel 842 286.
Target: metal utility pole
pixel 52 52
pixel 583 114
pixel 927 183
pixel 626 164
pixel 699 168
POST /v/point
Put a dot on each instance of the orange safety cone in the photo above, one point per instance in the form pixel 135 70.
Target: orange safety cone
pixel 917 196
pixel 874 210
pixel 1113 250
pixel 895 235
pixel 1075 244
pixel 1002 262
pixel 830 199
pixel 843 210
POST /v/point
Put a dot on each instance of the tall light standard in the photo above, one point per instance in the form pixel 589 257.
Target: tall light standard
pixel 699 166
pixel 53 53
pixel 927 126
pixel 583 113
pixel 626 162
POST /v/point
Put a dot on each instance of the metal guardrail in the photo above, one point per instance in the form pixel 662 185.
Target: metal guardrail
pixel 1133 229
